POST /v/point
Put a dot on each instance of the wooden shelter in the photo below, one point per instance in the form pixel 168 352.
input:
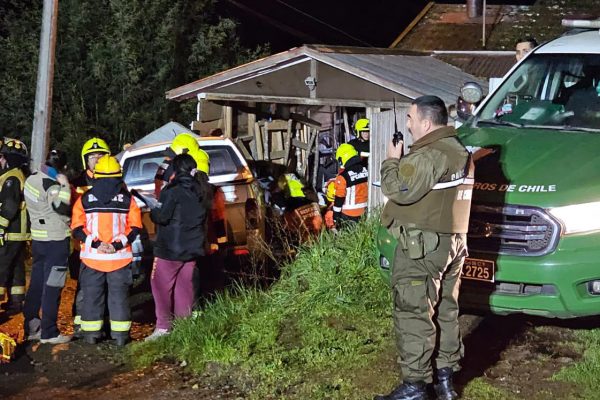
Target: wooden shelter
pixel 295 107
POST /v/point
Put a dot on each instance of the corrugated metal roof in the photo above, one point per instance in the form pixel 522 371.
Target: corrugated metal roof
pixel 480 65
pixel 447 26
pixel 408 75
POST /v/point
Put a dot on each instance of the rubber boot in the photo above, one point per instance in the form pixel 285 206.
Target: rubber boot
pixel 14 305
pixel 407 391
pixel 444 389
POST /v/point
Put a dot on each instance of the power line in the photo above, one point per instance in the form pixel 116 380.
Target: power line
pixel 324 23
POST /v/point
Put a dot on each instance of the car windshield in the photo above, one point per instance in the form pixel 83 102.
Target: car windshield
pixel 140 170
pixel 553 91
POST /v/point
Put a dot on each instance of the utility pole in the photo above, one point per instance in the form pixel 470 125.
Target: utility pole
pixel 42 112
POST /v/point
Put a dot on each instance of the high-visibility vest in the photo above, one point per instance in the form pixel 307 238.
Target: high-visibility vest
pixel 16 230
pixel 351 186
pixel 107 223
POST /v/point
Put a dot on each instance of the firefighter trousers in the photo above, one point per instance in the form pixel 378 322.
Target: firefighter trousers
pixel 12 270
pixel 48 275
pixel 98 286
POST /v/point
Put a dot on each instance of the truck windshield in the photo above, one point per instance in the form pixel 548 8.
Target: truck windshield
pixel 553 91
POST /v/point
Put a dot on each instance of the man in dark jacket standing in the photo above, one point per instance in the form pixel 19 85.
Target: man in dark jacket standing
pixel 429 192
pixel 181 223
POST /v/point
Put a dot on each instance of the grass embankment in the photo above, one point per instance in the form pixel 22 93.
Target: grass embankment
pixel 323 331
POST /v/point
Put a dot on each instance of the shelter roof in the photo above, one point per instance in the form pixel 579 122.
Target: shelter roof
pixel 397 72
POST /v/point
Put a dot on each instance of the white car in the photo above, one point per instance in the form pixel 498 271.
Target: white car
pixel 244 210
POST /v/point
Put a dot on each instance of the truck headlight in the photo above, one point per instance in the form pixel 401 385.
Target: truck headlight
pixel 578 218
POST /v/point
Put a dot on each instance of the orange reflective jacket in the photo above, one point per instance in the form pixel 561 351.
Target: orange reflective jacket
pixel 116 223
pixel 352 189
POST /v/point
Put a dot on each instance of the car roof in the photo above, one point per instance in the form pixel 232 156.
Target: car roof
pixel 586 42
pixel 202 141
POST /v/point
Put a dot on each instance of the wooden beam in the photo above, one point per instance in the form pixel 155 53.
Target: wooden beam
pixel 346 126
pixel 313 74
pixel 305 101
pixel 228 121
pixel 243 149
pixel 305 120
pixel 410 26
pixel 258 140
pixel 288 143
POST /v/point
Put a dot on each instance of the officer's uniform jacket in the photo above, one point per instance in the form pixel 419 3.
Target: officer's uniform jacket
pixel 430 188
pixel 48 204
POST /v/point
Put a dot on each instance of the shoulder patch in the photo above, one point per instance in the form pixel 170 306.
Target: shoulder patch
pixel 407 170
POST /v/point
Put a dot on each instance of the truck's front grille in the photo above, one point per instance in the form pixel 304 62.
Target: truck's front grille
pixel 513 230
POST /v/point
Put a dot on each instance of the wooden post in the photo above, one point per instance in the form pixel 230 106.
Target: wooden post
pixel 42 113
pixel 259 142
pixel 316 160
pixel 228 117
pixel 346 126
pixel 265 136
pixel 288 143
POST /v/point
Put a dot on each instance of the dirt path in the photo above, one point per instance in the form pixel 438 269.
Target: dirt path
pixel 516 354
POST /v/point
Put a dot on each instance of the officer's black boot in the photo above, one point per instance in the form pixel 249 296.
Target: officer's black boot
pixel 444 389
pixel 14 305
pixel 90 339
pixel 407 391
pixel 121 340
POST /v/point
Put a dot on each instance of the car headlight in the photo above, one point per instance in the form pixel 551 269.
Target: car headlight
pixel 578 218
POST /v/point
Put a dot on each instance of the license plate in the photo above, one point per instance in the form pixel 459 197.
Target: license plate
pixel 479 270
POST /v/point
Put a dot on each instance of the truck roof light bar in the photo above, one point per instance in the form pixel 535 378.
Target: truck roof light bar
pixel 581 23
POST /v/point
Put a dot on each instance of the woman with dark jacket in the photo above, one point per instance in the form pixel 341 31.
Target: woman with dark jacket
pixel 180 221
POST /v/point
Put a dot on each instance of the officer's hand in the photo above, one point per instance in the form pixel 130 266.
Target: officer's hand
pixel 62 179
pixel 395 151
pixel 1 238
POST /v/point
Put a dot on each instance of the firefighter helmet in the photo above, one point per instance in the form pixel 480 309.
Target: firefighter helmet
pixel 184 143
pixel 362 125
pixel 94 145
pixel 15 152
pixel 344 153
pixel 329 190
pixel 291 185
pixel 107 167
pixel 202 160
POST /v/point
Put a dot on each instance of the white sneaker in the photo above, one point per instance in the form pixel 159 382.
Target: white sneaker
pixel 35 329
pixel 60 339
pixel 34 336
pixel 156 334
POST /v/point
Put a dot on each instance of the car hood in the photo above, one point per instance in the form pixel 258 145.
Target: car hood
pixel 537 167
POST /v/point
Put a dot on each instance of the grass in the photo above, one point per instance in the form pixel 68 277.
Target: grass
pixel 311 335
pixel 479 389
pixel 585 373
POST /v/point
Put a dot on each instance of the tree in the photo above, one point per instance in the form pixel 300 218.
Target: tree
pixel 115 59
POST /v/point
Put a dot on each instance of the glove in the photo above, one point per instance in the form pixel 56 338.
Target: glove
pixel 329 223
pixel 2 235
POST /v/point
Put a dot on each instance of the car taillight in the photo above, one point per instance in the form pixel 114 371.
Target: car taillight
pixel 252 214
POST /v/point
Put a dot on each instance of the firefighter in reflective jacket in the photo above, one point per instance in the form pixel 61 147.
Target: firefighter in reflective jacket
pixel 14 224
pixel 351 186
pixel 106 219
pixel 48 197
pixel 91 151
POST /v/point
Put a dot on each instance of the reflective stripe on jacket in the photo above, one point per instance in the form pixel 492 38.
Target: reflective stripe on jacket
pixel 108 223
pixel 351 189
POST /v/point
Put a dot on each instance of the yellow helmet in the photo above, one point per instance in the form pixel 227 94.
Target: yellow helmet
pixel 184 143
pixel 107 167
pixel 290 184
pixel 362 125
pixel 94 145
pixel 202 160
pixel 345 152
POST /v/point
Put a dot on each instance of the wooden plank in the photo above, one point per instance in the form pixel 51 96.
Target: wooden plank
pixel 205 127
pixel 313 73
pixel 288 143
pixel 265 136
pixel 346 126
pixel 316 160
pixel 259 143
pixel 305 120
pixel 275 155
pixel 228 117
pixel 276 124
pixel 243 149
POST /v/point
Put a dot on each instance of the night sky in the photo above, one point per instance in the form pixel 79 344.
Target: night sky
pixel 288 23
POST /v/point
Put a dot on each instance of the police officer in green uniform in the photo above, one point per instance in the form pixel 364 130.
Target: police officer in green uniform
pixel 429 192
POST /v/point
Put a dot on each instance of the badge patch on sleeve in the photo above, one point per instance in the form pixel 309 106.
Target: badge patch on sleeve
pixel 407 170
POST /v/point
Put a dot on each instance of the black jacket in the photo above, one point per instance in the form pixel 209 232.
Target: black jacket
pixel 180 221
